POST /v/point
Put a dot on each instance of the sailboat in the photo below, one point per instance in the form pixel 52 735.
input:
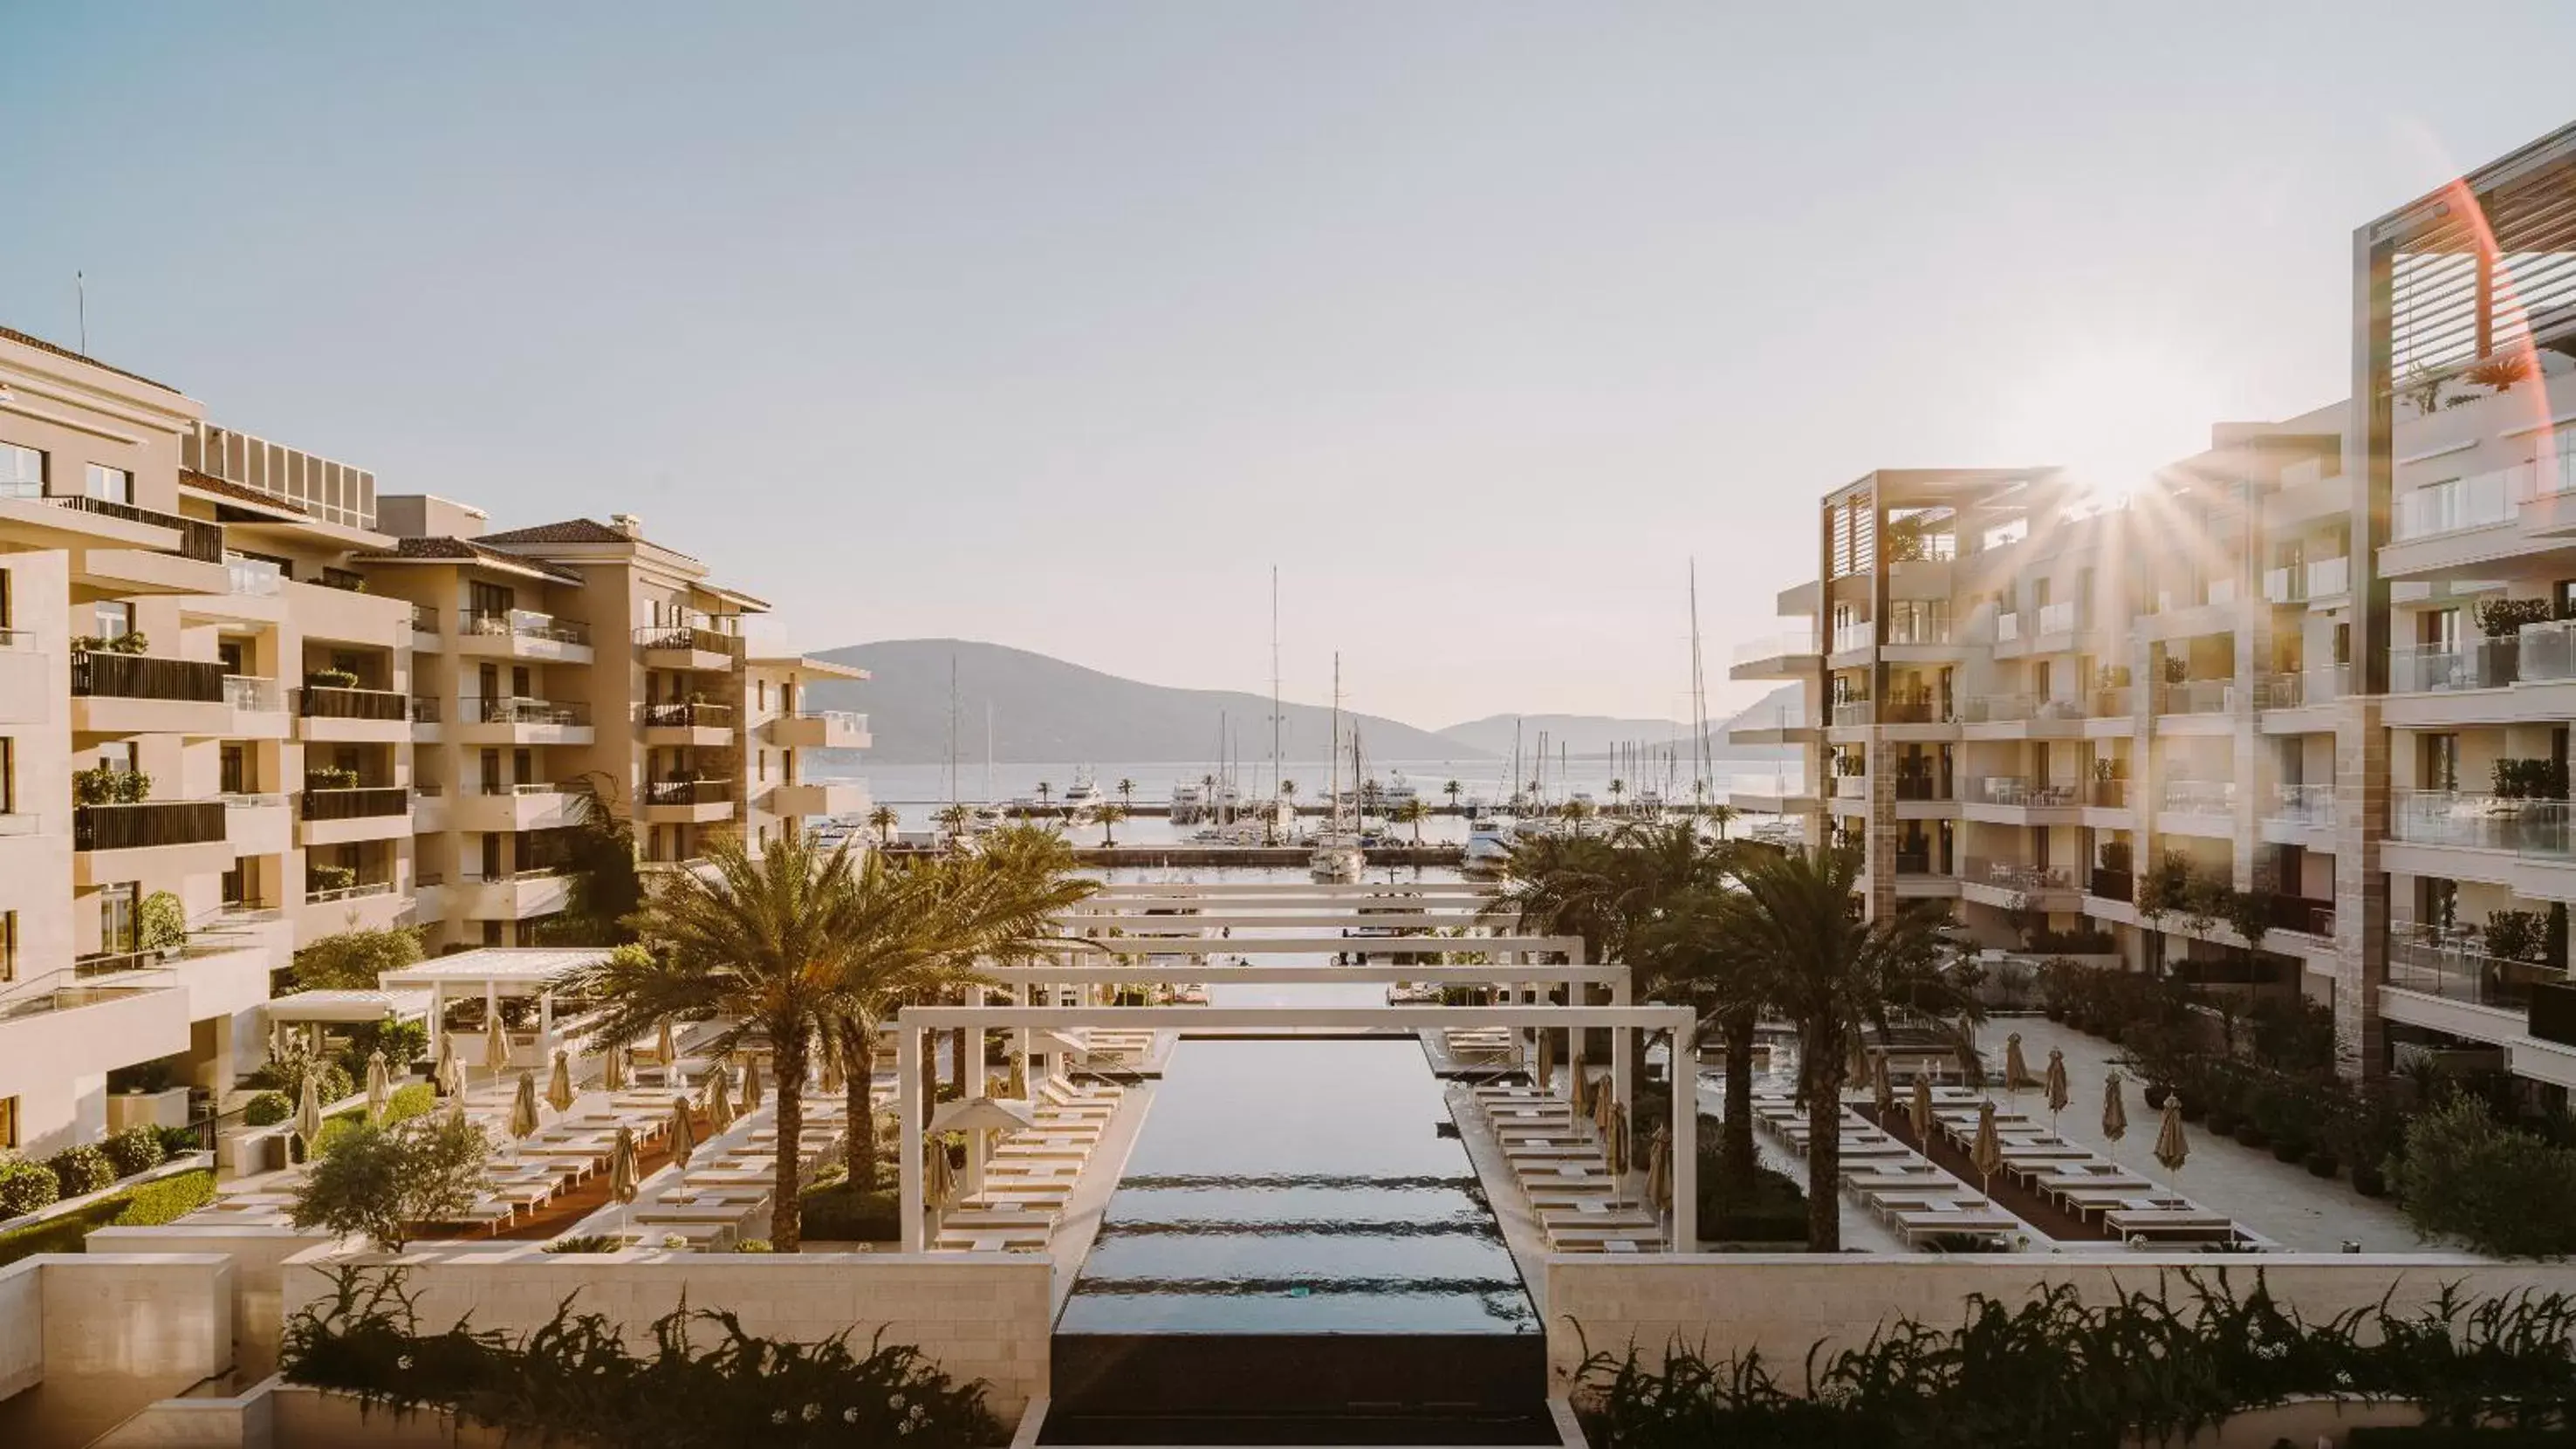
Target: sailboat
pixel 1338 859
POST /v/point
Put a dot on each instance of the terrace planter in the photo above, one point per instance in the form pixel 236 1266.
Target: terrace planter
pixel 2155 1094
pixel 2289 1149
pixel 147 1109
pixel 2322 1163
pixel 2221 1120
pixel 2369 1181
pixel 2251 1134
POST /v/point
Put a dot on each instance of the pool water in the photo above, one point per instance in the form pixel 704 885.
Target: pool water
pixel 1300 1185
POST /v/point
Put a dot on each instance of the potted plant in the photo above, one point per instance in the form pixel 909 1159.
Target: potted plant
pixel 330 679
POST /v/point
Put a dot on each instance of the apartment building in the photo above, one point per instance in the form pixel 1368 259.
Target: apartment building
pixel 2026 692
pixel 246 702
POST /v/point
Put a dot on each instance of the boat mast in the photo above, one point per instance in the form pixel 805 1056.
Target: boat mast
pixel 952 730
pixel 1699 705
pixel 1274 683
pixel 1336 786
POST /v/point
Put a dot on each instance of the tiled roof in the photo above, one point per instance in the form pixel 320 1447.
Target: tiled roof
pixel 208 482
pixel 571 530
pixel 41 345
pixel 466 550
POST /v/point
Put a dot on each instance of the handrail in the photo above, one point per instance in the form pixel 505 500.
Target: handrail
pixel 355 802
pixel 198 539
pixel 331 701
pixel 105 674
pixel 526 624
pixel 144 824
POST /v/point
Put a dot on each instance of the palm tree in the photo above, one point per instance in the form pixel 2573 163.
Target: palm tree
pixel 953 818
pixel 1617 789
pixel 1288 792
pixel 884 819
pixel 757 945
pixel 1794 925
pixel 1108 816
pixel 1453 789
pixel 1413 813
pixel 1046 792
pixel 1126 791
pixel 1723 814
pixel 1576 812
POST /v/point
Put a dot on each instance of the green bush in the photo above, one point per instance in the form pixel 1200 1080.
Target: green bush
pixel 26 1186
pixel 146 1205
pixel 82 1169
pixel 755 1245
pixel 2497 1189
pixel 177 1141
pixel 405 1103
pixel 1770 1209
pixel 838 1213
pixel 587 1243
pixel 136 1149
pixel 267 1110
pixel 350 960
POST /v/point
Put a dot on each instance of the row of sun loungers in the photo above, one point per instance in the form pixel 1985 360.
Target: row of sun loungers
pixel 2087 1186
pixel 1030 1176
pixel 1918 1201
pixel 1561 1165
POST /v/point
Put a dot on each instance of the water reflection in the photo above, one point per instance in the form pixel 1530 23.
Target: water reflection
pixel 1299 1186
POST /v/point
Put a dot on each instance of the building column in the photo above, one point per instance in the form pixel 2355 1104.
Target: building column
pixel 2361 887
pixel 908 1117
pixel 1685 1133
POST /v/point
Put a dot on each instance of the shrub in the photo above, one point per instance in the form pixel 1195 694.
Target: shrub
pixel 839 1213
pixel 167 1199
pixel 2497 1189
pixel 378 1181
pixel 404 1104
pixel 587 1243
pixel 574 1378
pixel 136 1149
pixel 146 1205
pixel 160 923
pixel 177 1141
pixel 402 1042
pixel 754 1245
pixel 285 1072
pixel 26 1186
pixel 267 1110
pixel 82 1169
pixel 2322 1163
pixel 350 961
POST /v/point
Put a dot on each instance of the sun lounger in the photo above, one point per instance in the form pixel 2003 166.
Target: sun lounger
pixel 703 1237
pixel 2169 1223
pixel 1916 1226
pixel 2065 1182
pixel 1599 1239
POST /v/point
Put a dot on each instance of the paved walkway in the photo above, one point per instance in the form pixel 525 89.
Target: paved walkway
pixel 2277 1199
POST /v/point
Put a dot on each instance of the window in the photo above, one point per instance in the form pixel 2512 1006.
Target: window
pixel 8 778
pixel 9 1123
pixel 114 618
pixel 22 472
pixel 8 957
pixel 484 598
pixel 116 919
pixel 229 651
pixel 2441 763
pixel 760 693
pixel 111 485
pixel 2438 630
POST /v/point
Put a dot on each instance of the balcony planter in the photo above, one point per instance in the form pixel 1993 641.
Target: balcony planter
pixel 2155 1094
pixel 2368 1180
pixel 2251 1134
pixel 2321 1163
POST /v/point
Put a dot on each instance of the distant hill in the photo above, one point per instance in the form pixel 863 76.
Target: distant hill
pixel 1594 735
pixel 1045 710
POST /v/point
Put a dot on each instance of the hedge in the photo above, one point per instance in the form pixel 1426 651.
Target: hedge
pixel 145 1205
pixel 837 1214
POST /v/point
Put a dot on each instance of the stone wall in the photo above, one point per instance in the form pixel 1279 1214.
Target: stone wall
pixel 22 1325
pixel 259 1257
pixel 1724 1304
pixel 111 1333
pixel 981 1317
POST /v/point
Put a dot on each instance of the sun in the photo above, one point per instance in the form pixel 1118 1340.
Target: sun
pixel 2111 416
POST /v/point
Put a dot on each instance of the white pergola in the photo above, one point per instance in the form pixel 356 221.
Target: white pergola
pixel 492 972
pixel 1416 942
pixel 913 1021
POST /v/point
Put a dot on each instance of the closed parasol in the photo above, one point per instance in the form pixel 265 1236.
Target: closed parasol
pixel 1604 1103
pixel 665 1050
pixel 2115 1113
pixel 523 1107
pixel 1883 1088
pixel 613 1069
pixel 751 1089
pixel 834 1083
pixel 1618 1140
pixel 719 1099
pixel 496 1045
pixel 2055 1081
pixel 684 1134
pixel 2016 1070
pixel 1546 1073
pixel 2171 1147
pixel 447 1073
pixel 379 1086
pixel 559 1082
pixel 1987 1155
pixel 1921 1110
pixel 1659 1167
pixel 308 1112
pixel 624 1175
pixel 942 1184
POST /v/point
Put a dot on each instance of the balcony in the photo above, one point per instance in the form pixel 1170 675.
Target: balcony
pixel 2329 578
pixel 258 824
pixel 2326 578
pixel 2456 505
pixel 1848 712
pixel 2457 971
pixel 2108 795
pixel 672 801
pixel 1783 656
pixel 516 720
pixel 1997 709
pixel 527 805
pixel 2196 696
pixel 198 540
pixel 161 837
pixel 688 724
pixel 359 905
pixel 2112 885
pixel 681 646
pixel 2019 792
pixel 2476 820
pixel 517 896
pixel 2063 617
pixel 253 578
pixel 1914 787
pixel 1851 787
pixel 523 634
pixel 2303 915
pixel 2200 797
pixel 819 797
pixel 2300 688
pixel 2008 882
pixel 342 815
pixel 2437 668
pixel 128 694
pixel 829 729
pixel 2008 628
pixel 334 715
pixel 1856 634
pixel 424 621
pixel 2308 807
pixel 2112 702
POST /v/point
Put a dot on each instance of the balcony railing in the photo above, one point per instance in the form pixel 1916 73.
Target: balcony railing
pixel 2460 972
pixel 858 723
pixel 252 800
pixel 424 619
pixel 517 711
pixel 2018 790
pixel 1855 712
pixel 526 624
pixel 1851 787
pixel 1910 786
pixel 512 877
pixel 2306 916
pixel 2007 628
pixel 360 802
pixel 2548 651
pixel 689 716
pixel 1914 862
pixel 2062 617
pixel 253 696
pixel 424 709
pixel 2011 708
pixel 253 578
pixel 689 637
pixel 2328 577
pixel 65 990
pixel 198 539
pixel 2287 584
pixel 2294 690
pixel 2480 500
pixel 1776 646
pixel 688 792
pixel 2196 696
pixel 2113 702
pixel 359 891
pixel 1909 626
pixel 2475 820
pixel 332 702
pixel 2309 805
pixel 2435 668
pixel 2200 797
pixel 1858 634
pixel 2013 875
pixel 2109 795
pixel 103 675
pixel 147 824
pixel 2112 885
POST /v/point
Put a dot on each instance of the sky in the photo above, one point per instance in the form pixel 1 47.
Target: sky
pixel 1060 325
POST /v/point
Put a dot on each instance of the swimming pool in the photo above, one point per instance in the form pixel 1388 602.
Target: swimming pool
pixel 1304 1185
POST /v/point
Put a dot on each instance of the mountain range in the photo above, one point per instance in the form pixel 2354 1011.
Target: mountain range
pixel 1046 710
